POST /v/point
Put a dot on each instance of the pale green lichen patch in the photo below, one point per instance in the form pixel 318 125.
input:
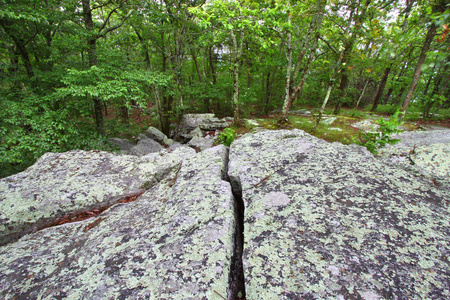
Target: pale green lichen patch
pixel 174 242
pixel 431 161
pixel 332 222
pixel 61 184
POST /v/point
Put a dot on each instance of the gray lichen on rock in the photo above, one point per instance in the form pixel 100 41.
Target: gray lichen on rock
pixel 329 221
pixel 174 242
pixel 59 184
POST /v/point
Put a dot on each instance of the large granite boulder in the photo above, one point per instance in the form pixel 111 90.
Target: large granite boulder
pixel 328 221
pixel 191 121
pixel 61 184
pixel 174 242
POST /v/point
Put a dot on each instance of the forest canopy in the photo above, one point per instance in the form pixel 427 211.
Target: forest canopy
pixel 67 65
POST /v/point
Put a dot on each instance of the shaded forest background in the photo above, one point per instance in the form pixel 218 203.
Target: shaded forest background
pixel 72 70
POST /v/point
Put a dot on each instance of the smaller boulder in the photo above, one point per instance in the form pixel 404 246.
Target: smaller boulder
pixel 329 121
pixel 155 134
pixel 213 124
pixel 249 123
pixel 145 147
pixel 366 125
pixel 201 143
pixel 302 112
pixel 124 144
pixel 197 132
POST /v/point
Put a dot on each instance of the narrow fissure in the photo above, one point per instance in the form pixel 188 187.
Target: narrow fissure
pixel 75 216
pixel 236 278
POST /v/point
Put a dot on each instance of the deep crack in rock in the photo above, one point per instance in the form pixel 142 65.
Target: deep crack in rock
pixel 236 278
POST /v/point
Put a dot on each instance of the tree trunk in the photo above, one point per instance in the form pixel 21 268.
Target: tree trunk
pixel 267 96
pixel 327 96
pixel 92 56
pixel 362 93
pixel 377 98
pixel 237 61
pixel 287 84
pixel 313 30
pixel 429 38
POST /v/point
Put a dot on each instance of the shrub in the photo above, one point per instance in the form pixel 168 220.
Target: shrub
pixel 376 140
pixel 227 136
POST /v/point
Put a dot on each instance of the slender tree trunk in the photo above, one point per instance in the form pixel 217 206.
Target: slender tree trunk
pixel 211 65
pixel 287 84
pixel 429 38
pixel 327 96
pixel 362 93
pixel 236 63
pixel 377 98
pixel 313 31
pixel 267 97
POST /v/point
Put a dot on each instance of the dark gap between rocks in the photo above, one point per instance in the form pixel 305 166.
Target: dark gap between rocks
pixel 80 216
pixel 76 216
pixel 236 279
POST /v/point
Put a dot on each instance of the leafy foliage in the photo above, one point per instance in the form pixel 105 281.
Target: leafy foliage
pixel 227 136
pixel 376 140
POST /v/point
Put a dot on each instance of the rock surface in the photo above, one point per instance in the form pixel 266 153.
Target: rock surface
pixel 60 184
pixel 124 144
pixel 173 242
pixel 201 143
pixel 366 125
pixel 321 221
pixel 426 153
pixel 146 146
pixel 327 221
pixel 155 134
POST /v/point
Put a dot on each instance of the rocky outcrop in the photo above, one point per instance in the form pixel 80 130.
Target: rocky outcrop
pixel 61 184
pixel 174 242
pixel 425 153
pixel 193 125
pixel 283 216
pixel 327 221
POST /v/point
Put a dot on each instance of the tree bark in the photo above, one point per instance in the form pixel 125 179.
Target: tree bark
pixel 426 46
pixel 380 90
pixel 236 63
pixel 313 30
pixel 92 58
pixel 362 93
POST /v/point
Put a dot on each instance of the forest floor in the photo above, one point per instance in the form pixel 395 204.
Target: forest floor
pixel 341 130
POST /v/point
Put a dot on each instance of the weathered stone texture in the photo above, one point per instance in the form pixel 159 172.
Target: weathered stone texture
pixel 327 221
pixel 155 134
pixel 174 242
pixel 145 147
pixel 59 184
pixel 425 153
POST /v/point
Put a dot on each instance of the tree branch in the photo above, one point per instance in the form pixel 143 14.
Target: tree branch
pixel 328 44
pixel 104 32
pixel 107 18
